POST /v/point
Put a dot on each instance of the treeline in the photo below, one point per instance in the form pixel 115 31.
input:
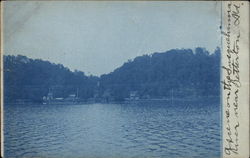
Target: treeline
pixel 25 78
pixel 184 72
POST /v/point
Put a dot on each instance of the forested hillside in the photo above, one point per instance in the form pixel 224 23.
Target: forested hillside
pixel 184 72
pixel 25 78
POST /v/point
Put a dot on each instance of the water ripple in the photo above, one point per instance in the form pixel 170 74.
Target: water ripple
pixel 112 130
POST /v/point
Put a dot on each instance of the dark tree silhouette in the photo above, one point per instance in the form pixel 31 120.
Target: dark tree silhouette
pixel 186 72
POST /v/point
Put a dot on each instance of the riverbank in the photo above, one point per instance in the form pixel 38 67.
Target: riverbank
pixel 92 101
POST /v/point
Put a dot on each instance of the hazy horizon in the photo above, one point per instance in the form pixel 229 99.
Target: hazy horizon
pixel 98 37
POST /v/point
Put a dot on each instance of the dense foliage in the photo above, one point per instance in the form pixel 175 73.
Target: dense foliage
pixel 182 72
pixel 25 78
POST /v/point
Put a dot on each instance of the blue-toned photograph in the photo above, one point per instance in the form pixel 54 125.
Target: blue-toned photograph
pixel 112 79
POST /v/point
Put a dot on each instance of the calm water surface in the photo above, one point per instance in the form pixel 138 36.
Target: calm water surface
pixel 162 129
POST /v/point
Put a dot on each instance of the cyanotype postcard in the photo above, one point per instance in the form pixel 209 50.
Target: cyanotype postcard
pixel 125 79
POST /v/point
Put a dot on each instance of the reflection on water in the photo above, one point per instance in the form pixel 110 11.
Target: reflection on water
pixel 161 129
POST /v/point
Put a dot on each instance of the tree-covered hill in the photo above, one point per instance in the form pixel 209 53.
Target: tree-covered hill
pixel 183 73
pixel 25 78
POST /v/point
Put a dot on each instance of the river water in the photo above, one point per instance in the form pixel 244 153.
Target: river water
pixel 152 129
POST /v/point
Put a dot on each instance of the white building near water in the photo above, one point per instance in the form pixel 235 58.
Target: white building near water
pixel 133 95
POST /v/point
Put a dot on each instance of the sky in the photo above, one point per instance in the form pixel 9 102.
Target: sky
pixel 97 37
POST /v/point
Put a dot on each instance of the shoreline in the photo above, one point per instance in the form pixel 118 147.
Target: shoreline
pixel 213 98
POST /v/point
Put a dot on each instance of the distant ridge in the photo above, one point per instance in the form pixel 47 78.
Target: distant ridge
pixel 32 79
pixel 185 72
pixel 189 73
